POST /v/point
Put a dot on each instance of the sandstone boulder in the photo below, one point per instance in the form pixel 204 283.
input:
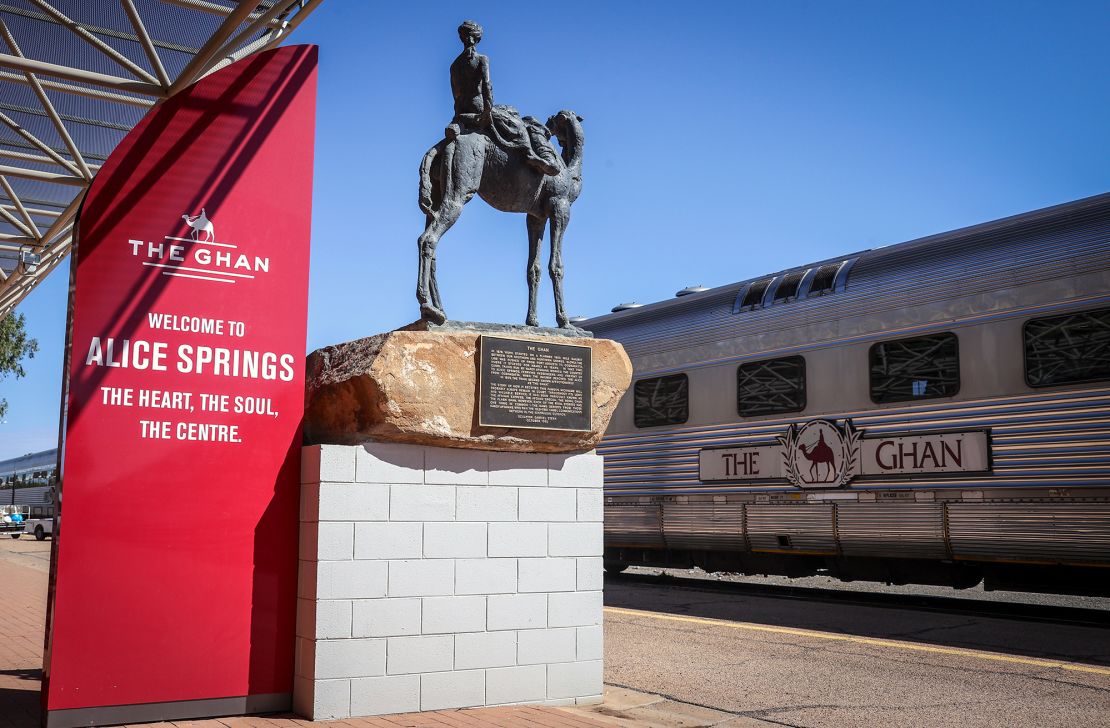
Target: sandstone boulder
pixel 421 387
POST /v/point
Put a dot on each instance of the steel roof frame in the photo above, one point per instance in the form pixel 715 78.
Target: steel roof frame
pixel 36 238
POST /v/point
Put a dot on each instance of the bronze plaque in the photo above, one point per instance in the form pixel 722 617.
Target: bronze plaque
pixel 534 384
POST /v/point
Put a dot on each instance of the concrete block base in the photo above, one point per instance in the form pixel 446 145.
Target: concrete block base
pixel 435 578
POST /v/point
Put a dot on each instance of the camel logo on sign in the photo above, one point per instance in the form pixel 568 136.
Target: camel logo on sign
pixel 199 256
pixel 820 454
pixel 200 225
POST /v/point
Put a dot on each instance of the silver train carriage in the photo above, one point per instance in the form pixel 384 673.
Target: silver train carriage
pixel 932 412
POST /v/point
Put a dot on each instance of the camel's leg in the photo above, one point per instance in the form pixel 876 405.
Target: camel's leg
pixel 445 163
pixel 461 179
pixel 427 289
pixel 560 216
pixel 535 240
pixel 425 251
pixel 426 286
pixel 434 286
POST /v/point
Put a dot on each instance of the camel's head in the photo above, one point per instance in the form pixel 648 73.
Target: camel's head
pixel 561 122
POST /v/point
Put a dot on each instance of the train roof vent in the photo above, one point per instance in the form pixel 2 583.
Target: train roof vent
pixel 825 279
pixel 752 296
pixel 788 288
pixel 626 306
pixel 577 319
pixel 690 289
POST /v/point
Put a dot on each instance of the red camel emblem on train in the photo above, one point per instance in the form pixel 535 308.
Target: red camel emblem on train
pixel 817 454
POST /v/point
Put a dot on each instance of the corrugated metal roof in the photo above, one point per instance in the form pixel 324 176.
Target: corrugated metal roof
pixel 44 459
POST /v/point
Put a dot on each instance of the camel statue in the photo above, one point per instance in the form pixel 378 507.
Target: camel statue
pixel 453 171
pixel 201 224
pixel 819 453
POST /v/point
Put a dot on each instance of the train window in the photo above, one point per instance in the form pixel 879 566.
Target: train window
pixel 1068 349
pixel 661 401
pixel 919 368
pixel 824 279
pixel 789 287
pixel 772 386
pixel 754 296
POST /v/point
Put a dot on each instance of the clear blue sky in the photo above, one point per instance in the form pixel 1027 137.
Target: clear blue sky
pixel 723 140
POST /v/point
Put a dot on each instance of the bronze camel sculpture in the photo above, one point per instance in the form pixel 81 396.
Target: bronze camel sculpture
pixel 453 171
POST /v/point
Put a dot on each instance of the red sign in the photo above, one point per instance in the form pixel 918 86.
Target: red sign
pixel 175 568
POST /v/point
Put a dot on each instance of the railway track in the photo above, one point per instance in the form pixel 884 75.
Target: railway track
pixel 1054 614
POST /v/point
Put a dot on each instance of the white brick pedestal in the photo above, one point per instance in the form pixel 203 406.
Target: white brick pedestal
pixel 436 578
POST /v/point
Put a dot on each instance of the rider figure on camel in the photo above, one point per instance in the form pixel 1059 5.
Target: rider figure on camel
pixel 475 111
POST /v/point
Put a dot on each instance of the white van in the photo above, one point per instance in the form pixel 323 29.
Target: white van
pixel 39 520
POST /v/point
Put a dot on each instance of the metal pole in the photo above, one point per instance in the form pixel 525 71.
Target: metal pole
pixel 15 287
pixel 267 42
pixel 62 179
pixel 19 224
pixel 144 38
pixel 76 74
pixel 257 26
pixel 48 107
pixel 95 42
pixel 201 60
pixel 41 145
pixel 91 93
pixel 207 7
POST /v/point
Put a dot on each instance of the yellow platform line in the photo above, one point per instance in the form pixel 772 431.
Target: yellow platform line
pixel 871 641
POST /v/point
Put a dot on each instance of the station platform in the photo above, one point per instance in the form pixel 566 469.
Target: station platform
pixel 24 572
pixel 684 653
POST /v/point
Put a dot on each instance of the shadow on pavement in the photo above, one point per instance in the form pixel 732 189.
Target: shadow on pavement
pixel 19 706
pixel 1070 642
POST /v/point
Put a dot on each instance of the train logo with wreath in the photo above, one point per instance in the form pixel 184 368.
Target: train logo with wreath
pixel 820 455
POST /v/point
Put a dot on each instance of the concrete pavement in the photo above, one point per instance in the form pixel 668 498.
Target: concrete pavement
pixel 24 567
pixel 787 662
pixel 22 611
pixel 25 551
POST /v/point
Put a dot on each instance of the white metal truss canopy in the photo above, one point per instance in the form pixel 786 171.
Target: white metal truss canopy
pixel 75 77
